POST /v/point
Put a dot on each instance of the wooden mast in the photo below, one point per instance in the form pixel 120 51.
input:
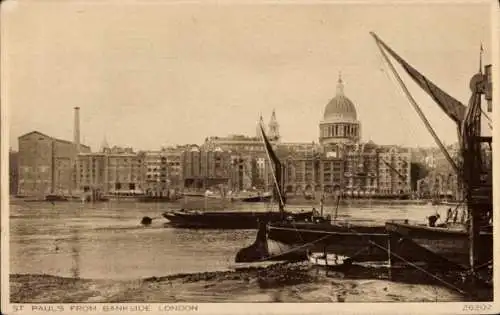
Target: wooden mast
pixel 471 153
pixel 473 167
pixel 277 173
pixel 415 106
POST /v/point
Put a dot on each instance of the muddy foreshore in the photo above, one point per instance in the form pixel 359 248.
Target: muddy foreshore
pixel 281 282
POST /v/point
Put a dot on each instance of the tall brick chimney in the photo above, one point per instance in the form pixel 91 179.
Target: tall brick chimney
pixel 76 130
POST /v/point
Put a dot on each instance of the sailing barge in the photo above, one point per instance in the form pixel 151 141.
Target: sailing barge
pixel 227 219
pixel 450 245
pixel 292 238
pixel 449 242
pixel 470 244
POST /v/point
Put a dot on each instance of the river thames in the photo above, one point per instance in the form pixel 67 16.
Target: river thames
pixel 107 241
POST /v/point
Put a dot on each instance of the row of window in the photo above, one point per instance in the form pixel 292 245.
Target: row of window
pixel 339 130
pixel 37 181
pixel 156 169
pixel 28 169
pixel 156 175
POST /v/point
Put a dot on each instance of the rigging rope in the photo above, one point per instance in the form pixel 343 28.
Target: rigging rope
pixel 416 106
pixel 414 265
pixel 410 133
pixel 377 245
pixel 385 69
pixel 296 248
pixel 485 115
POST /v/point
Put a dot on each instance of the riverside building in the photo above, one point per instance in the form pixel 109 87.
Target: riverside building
pixel 46 165
pixel 205 168
pixel 113 171
pixel 156 173
pixel 173 156
pixel 13 172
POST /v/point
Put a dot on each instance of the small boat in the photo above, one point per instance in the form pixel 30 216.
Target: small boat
pixel 118 197
pixel 193 194
pixel 308 196
pixel 53 198
pixel 451 203
pixel 257 199
pixel 253 197
pixel 154 199
pixel 437 202
pixel 243 196
pixel 327 260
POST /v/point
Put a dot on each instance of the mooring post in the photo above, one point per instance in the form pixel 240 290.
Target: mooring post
pixel 324 253
pixel 389 254
pixel 474 241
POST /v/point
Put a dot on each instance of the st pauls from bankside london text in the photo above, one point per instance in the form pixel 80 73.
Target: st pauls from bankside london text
pixel 260 153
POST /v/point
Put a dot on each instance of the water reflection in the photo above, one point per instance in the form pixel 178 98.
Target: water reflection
pixel 75 251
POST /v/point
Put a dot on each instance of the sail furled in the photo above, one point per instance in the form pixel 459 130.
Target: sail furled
pixel 270 151
pixel 277 168
pixel 451 106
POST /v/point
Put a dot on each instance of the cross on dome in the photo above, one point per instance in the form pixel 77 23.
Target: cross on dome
pixel 340 85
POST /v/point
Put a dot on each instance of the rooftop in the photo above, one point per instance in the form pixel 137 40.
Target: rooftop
pixel 54 139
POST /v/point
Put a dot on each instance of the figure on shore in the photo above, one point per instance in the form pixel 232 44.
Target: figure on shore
pixel 315 212
pixel 433 219
pixel 455 217
pixel 464 216
pixel 449 215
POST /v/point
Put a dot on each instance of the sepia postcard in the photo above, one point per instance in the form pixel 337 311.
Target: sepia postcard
pixel 249 157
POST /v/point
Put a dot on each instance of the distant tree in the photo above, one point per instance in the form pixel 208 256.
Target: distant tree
pixel 417 172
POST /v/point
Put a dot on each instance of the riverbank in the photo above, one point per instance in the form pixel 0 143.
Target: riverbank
pixel 353 201
pixel 299 200
pixel 282 282
pixel 193 202
pixel 218 204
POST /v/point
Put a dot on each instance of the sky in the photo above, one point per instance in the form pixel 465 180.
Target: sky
pixel 149 74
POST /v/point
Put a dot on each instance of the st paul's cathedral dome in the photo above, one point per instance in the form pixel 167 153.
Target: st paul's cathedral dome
pixel 339 124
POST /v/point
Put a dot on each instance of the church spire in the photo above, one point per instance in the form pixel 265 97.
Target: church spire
pixel 274 133
pixel 340 85
pixel 259 124
pixel 104 144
